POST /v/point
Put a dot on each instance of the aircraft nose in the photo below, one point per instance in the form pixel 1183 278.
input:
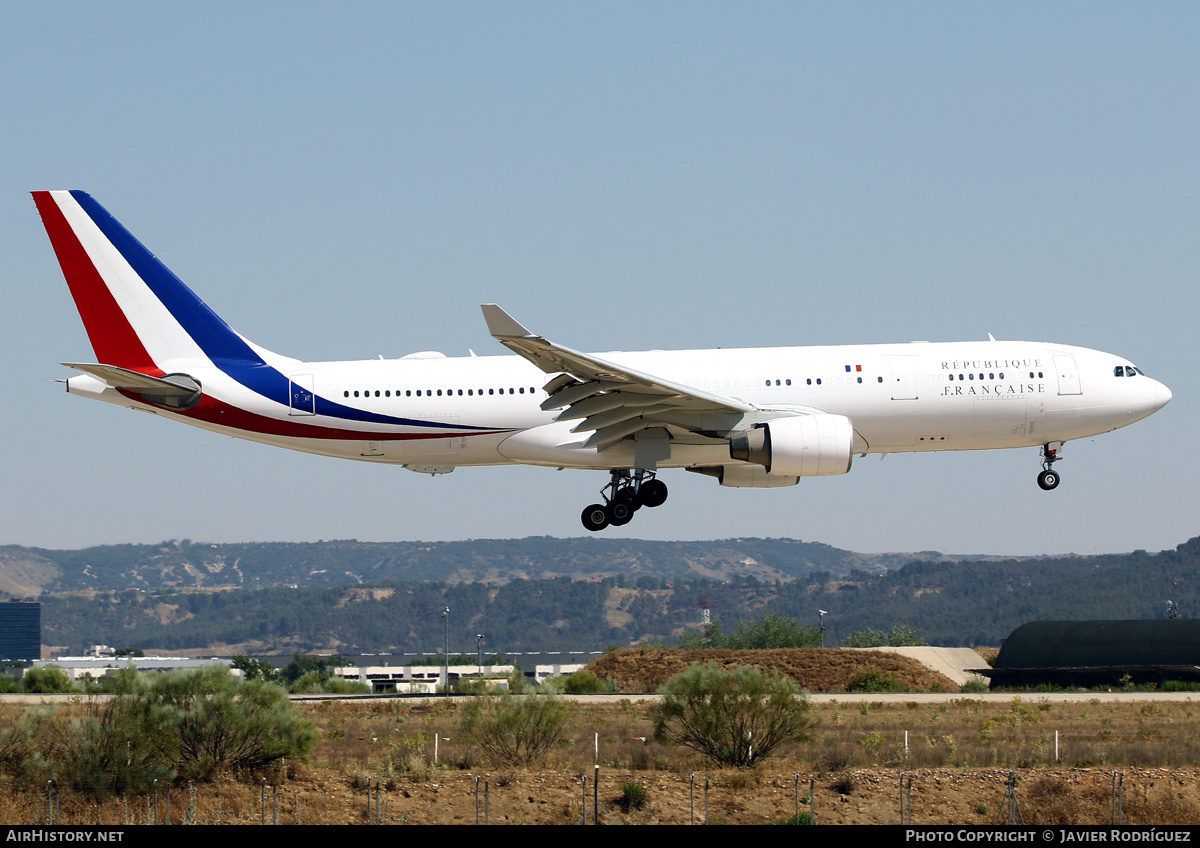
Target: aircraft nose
pixel 1162 395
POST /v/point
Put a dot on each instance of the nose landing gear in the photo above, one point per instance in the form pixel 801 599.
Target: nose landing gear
pixel 623 496
pixel 1049 478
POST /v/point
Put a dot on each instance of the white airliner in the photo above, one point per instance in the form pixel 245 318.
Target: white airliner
pixel 758 417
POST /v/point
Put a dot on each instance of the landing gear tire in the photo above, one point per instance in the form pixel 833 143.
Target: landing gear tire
pixel 595 517
pixel 618 513
pixel 652 493
pixel 628 497
pixel 1049 480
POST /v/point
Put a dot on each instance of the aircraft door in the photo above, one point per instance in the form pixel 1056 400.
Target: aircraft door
pixel 1068 375
pixel 302 399
pixel 904 377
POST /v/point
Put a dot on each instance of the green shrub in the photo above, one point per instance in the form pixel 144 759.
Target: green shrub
pixel 770 631
pixel 633 796
pixel 795 818
pixel 314 683
pixel 253 668
pixel 875 681
pixel 46 679
pixel 732 717
pixel 192 724
pixel 898 635
pixel 1181 686
pixel 514 729
pixel 222 723
pixel 582 682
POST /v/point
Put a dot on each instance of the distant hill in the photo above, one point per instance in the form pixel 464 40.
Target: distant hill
pixel 651 592
pixel 260 565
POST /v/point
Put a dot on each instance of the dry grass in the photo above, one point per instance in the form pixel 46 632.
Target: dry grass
pixel 959 750
pixel 817 670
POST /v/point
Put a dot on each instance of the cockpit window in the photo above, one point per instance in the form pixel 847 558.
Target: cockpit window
pixel 1127 371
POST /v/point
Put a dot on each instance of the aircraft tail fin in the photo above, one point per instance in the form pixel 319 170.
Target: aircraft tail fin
pixel 138 315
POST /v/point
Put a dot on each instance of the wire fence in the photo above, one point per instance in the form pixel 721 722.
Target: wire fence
pixel 932 797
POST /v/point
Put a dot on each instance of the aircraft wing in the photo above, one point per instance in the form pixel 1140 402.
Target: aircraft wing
pixel 613 400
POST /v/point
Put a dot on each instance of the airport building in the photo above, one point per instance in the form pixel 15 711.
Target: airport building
pixel 20 630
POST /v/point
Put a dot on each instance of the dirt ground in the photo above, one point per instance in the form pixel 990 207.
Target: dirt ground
pixel 937 796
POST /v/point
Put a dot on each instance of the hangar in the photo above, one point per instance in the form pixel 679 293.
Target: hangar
pixel 1099 653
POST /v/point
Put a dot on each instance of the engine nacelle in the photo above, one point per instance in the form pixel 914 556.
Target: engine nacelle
pixel 798 446
pixel 745 476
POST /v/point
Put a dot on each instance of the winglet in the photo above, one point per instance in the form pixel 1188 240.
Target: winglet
pixel 501 324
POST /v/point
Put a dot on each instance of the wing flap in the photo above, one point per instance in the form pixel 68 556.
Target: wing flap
pixel 615 401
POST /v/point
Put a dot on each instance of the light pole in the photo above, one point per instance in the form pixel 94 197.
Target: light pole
pixel 446 653
pixel 479 650
pixel 821 616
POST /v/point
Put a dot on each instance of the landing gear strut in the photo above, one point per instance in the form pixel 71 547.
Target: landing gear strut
pixel 1049 478
pixel 623 496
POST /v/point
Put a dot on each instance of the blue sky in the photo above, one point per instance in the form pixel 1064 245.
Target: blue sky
pixel 341 181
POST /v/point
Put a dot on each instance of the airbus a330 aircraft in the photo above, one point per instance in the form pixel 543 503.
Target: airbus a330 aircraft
pixel 758 417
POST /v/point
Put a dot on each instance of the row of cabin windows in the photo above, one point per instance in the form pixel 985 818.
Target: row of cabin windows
pixel 810 381
pixel 818 380
pixel 431 392
pixel 991 376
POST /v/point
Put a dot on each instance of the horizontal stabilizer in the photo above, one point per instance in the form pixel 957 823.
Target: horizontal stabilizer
pixel 176 385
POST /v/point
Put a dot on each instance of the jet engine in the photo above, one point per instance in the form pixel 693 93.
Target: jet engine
pixel 745 476
pixel 815 445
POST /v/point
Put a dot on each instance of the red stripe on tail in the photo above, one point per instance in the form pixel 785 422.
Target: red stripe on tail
pixel 112 336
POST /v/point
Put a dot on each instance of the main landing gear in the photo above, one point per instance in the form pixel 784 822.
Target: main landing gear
pixel 623 496
pixel 1049 478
